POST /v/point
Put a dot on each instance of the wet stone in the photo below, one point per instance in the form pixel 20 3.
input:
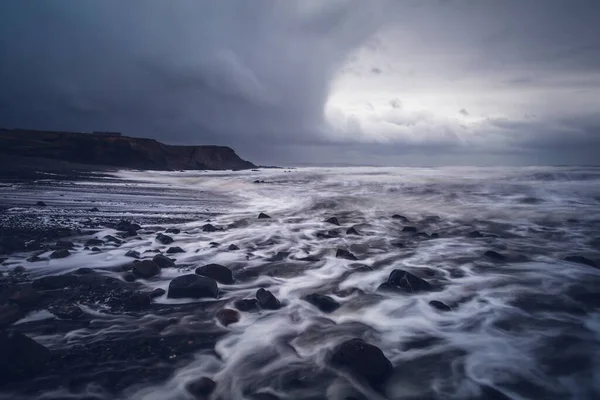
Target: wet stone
pixel 209 228
pixel 40 204
pixel 95 249
pixel 439 305
pixel 494 255
pixel 410 229
pixel 228 316
pixel 363 360
pixel 322 302
pixel 62 253
pixel 164 239
pixel 233 247
pixel 193 286
pixel 263 216
pixel 174 231
pixel 157 293
pixel 333 220
pixel 400 218
pixel 214 245
pixel 146 269
pixel 129 277
pixel 246 305
pixel 345 254
pixel 174 250
pixel 132 254
pixel 217 272
pixel 201 387
pixel 163 261
pixel 405 281
pixel 267 300
pixel 352 231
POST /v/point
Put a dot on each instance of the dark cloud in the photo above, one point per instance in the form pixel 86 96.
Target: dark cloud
pixel 258 76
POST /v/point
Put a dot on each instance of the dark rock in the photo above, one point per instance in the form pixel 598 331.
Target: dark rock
pixel 411 229
pixel 129 277
pixel 333 220
pixel 267 300
pixel 217 272
pixel 111 238
pixel 423 235
pixel 214 244
pixel 95 249
pixel 66 311
pixel 20 357
pixel 176 249
pixel 263 216
pixel 400 279
pixel 63 244
pixel 310 259
pixel 94 242
pixel 434 235
pixel 157 293
pixel 494 255
pixel 439 305
pixel 174 231
pixel 9 314
pixel 280 256
pixel 431 218
pixel 201 387
pixel 400 217
pixel 94 209
pixel 209 228
pixel 127 227
pixel 233 247
pixel 581 260
pixel 399 245
pixel 146 269
pixel 164 239
pixel 40 204
pixel 35 259
pixel 363 360
pixel 352 231
pixel 341 253
pixel 322 302
pixel 163 261
pixel 475 234
pixel 132 254
pixel 228 316
pixel 84 271
pixel 19 269
pixel 55 282
pixel 194 286
pixel 246 304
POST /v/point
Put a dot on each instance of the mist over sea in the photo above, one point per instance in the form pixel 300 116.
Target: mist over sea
pixel 521 321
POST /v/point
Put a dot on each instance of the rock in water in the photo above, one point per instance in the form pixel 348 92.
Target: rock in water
pixel 233 247
pixel 157 293
pixel 410 229
pixel 439 305
pixel 132 254
pixel 174 231
pixel 62 253
pixel 333 220
pixel 20 357
pixel 128 277
pixel 67 311
pixel 94 242
pixel 581 260
pixel 217 272
pixel 263 216
pixel 267 300
pixel 341 253
pixel 400 279
pixel 194 286
pixel 352 231
pixel 322 302
pixel 163 261
pixel 209 228
pixel 201 387
pixel 146 269
pixel 363 360
pixel 400 217
pixel 228 316
pixel 494 255
pixel 174 250
pixel 55 282
pixel 246 304
pixel 164 239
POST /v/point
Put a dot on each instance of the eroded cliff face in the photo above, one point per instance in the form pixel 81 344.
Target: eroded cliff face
pixel 117 151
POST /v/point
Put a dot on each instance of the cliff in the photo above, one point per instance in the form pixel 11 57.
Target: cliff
pixel 116 151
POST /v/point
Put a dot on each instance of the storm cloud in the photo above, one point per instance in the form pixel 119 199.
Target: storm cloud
pixel 342 81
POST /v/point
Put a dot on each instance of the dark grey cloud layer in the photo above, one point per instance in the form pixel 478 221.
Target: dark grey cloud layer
pixel 257 75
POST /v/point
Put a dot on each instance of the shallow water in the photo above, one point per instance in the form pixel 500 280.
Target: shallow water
pixel 526 327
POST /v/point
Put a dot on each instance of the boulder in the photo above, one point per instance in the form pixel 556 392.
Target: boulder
pixel 132 254
pixel 333 220
pixel 40 204
pixel 322 302
pixel 35 259
pixel 214 245
pixel 410 229
pixel 209 228
pixel 341 253
pixel 163 261
pixel 581 260
pixel 157 293
pixel 246 304
pixel 66 311
pixel 267 300
pixel 95 249
pixel 112 239
pixel 263 216
pixel 217 272
pixel 400 217
pixel 439 305
pixel 403 280
pixel 20 357
pixel 362 360
pixel 233 247
pixel 494 255
pixel 352 231
pixel 62 253
pixel 174 250
pixel 94 242
pixel 128 277
pixel 164 239
pixel 94 209
pixel 194 286
pixel 55 282
pixel 146 269
pixel 128 227
pixel 201 387
pixel 174 231
pixel 19 269
pixel 228 316
pixel 280 256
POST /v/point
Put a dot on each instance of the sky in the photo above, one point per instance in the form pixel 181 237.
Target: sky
pixel 294 82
